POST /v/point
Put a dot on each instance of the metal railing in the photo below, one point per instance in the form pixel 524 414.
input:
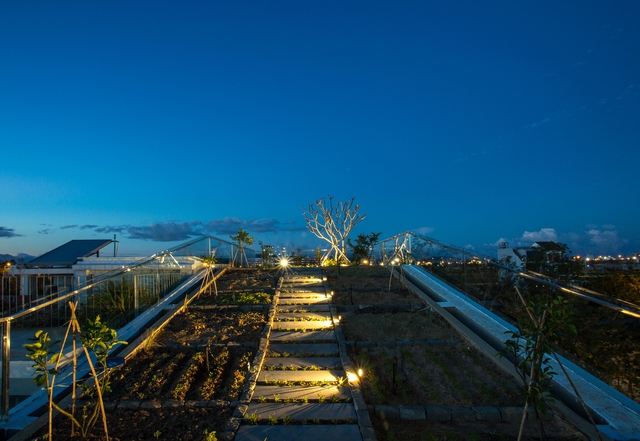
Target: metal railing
pixel 608 325
pixel 117 295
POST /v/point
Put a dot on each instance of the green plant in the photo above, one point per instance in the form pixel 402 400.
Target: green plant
pixel 286 419
pixel 273 420
pixel 528 348
pixel 252 418
pixel 211 436
pixel 97 338
pixel 157 434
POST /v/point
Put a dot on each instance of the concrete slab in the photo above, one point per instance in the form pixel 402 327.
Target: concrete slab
pixel 304 301
pixel 312 393
pixel 304 292
pixel 313 432
pixel 412 412
pixel 289 325
pixel 302 363
pixel 299 376
pixel 324 412
pixel 302 316
pixel 302 349
pixel 302 295
pixel 297 336
pixel 302 308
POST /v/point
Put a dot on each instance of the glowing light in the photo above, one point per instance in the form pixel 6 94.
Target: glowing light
pixel 352 377
pixel 284 262
pixel 360 373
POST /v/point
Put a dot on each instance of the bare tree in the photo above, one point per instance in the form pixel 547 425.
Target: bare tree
pixel 333 222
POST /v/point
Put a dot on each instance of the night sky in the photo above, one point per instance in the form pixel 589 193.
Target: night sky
pixel 469 122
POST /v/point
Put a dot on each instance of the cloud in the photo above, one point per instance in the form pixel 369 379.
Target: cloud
pixel 606 242
pixel 595 241
pixel 46 231
pixel 67 227
pixel 166 232
pixel 230 225
pixel 536 124
pixel 8 232
pixel 423 231
pixel 544 235
pixel 121 229
pixel 180 231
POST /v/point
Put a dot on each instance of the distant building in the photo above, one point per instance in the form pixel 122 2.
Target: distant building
pixel 70 267
pixel 513 257
pixel 544 251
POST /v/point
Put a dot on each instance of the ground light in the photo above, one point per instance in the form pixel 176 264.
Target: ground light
pixel 352 377
pixel 283 264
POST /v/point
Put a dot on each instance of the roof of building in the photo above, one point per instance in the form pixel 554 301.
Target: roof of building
pixel 68 254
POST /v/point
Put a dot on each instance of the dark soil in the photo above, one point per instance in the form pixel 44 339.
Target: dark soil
pixel 443 370
pixel 175 391
pixel 198 326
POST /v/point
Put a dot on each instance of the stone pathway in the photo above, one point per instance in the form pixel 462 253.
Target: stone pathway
pixel 303 390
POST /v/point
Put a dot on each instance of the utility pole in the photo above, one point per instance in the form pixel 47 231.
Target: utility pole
pixel 115 246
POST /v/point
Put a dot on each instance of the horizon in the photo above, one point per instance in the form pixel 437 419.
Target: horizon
pixel 474 124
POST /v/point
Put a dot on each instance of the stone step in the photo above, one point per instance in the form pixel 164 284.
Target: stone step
pixel 304 349
pixel 302 363
pixel 298 336
pixel 303 285
pixel 302 316
pixel 304 301
pixel 307 325
pixel 303 295
pixel 312 393
pixel 323 412
pixel 301 376
pixel 307 432
pixel 305 290
pixel 300 308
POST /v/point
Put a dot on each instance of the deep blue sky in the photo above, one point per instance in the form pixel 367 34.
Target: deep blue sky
pixel 470 122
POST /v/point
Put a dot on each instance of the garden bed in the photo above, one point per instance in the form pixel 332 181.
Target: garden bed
pixel 185 382
pixel 417 358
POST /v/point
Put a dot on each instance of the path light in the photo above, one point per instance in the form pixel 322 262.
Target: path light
pixel 324 278
pixel 352 377
pixel 284 262
pixel 360 373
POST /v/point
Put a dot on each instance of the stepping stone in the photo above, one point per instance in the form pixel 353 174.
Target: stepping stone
pixel 299 392
pixel 306 325
pixel 294 301
pixel 299 376
pixel 297 336
pixel 299 308
pixel 309 290
pixel 303 316
pixel 302 349
pixel 321 411
pixel 303 363
pixel 309 432
pixel 303 295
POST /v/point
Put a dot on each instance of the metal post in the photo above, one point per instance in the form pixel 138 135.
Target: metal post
pixel 6 362
pixel 136 304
